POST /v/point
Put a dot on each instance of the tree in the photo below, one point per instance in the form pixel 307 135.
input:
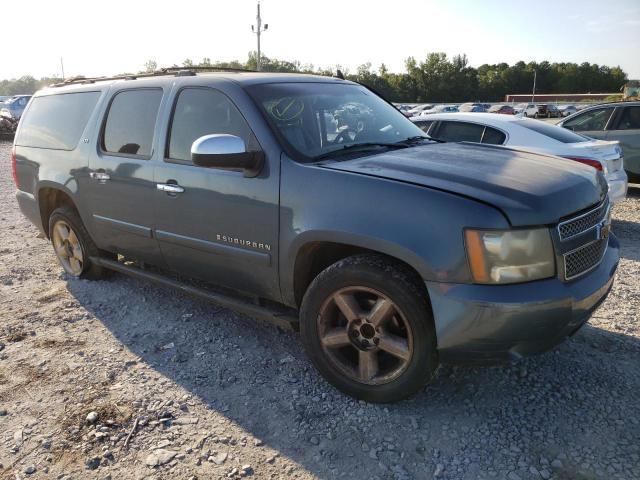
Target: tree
pixel 150 66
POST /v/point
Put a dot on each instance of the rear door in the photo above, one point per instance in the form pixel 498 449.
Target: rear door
pixel 121 175
pixel 592 123
pixel 626 129
pixel 221 227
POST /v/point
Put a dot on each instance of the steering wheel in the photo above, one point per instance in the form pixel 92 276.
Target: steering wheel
pixel 343 136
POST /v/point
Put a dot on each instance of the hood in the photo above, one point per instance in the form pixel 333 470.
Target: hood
pixel 530 189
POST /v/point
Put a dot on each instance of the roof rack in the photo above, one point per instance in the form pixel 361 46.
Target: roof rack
pixel 175 71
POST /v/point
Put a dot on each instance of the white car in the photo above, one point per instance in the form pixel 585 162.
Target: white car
pixel 533 135
pixel 526 109
pixel 417 110
pixel 439 109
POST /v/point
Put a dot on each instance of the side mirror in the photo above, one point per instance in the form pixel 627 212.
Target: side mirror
pixel 226 152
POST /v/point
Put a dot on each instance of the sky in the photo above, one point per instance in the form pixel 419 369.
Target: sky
pixel 106 38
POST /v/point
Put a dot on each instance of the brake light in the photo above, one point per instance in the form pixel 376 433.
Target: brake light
pixel 14 172
pixel 587 161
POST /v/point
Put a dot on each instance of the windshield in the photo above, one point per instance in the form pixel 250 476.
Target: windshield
pixel 315 119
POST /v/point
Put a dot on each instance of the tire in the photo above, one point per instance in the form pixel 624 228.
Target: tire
pixel 78 245
pixel 535 115
pixel 405 328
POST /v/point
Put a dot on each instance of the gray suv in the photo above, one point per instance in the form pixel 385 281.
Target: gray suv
pixel 391 252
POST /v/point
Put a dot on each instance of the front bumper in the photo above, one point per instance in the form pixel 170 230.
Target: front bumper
pixel 485 323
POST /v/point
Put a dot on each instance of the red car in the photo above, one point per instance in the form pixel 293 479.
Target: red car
pixel 504 109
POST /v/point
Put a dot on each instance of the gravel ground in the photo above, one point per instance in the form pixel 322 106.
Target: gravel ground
pixel 122 379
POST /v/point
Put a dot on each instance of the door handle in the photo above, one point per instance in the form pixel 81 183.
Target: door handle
pixel 169 188
pixel 100 176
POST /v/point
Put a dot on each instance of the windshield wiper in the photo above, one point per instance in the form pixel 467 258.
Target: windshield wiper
pixel 414 139
pixel 354 147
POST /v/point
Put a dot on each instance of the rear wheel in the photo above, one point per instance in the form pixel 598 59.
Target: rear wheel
pixel 73 246
pixel 368 328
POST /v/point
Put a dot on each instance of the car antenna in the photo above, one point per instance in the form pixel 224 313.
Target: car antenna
pixel 339 74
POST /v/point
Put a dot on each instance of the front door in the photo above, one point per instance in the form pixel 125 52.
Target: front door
pixel 627 131
pixel 121 176
pixel 216 225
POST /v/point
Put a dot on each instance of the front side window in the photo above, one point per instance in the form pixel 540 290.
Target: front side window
pixel 131 121
pixel 57 121
pixel 204 111
pixel 316 119
pixel 459 132
pixel 630 119
pixel 590 121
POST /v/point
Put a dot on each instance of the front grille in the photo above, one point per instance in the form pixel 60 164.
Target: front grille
pixel 575 226
pixel 583 259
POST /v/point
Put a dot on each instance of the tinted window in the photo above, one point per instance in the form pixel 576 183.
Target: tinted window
pixel 57 121
pixel 592 120
pixel 203 111
pixel 131 121
pixel 459 132
pixel 630 119
pixel 493 136
pixel 552 131
pixel 424 125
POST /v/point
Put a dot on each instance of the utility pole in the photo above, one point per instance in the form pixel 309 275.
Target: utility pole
pixel 257 29
pixel 62 66
pixel 533 95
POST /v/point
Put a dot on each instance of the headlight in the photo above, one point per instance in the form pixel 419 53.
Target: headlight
pixel 509 256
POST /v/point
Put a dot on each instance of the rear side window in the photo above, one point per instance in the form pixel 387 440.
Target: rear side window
pixel 204 111
pixel 630 119
pixel 459 132
pixel 552 131
pixel 493 136
pixel 131 121
pixel 57 121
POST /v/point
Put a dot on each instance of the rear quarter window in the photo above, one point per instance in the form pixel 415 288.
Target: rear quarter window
pixel 57 121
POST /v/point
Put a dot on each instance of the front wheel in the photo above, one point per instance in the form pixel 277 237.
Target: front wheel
pixel 368 328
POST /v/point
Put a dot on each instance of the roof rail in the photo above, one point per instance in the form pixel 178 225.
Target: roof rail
pixel 175 71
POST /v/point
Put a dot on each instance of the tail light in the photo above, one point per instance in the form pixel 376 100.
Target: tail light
pixel 587 161
pixel 14 172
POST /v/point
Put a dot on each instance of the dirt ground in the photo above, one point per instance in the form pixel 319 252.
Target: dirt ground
pixel 121 379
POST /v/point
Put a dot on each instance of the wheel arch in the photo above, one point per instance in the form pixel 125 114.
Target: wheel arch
pixel 313 256
pixel 51 196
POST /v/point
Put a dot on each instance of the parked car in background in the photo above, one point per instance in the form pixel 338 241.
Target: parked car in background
pixel 440 109
pixel 612 121
pixel 14 107
pixel 535 136
pixel 4 98
pixel 552 111
pixel 417 110
pixel 566 110
pixel 473 107
pixel 502 109
pixel 526 109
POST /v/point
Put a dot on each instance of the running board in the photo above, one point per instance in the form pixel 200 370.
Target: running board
pixel 282 319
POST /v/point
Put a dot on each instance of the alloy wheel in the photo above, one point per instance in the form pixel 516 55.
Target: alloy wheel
pixel 365 335
pixel 67 248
